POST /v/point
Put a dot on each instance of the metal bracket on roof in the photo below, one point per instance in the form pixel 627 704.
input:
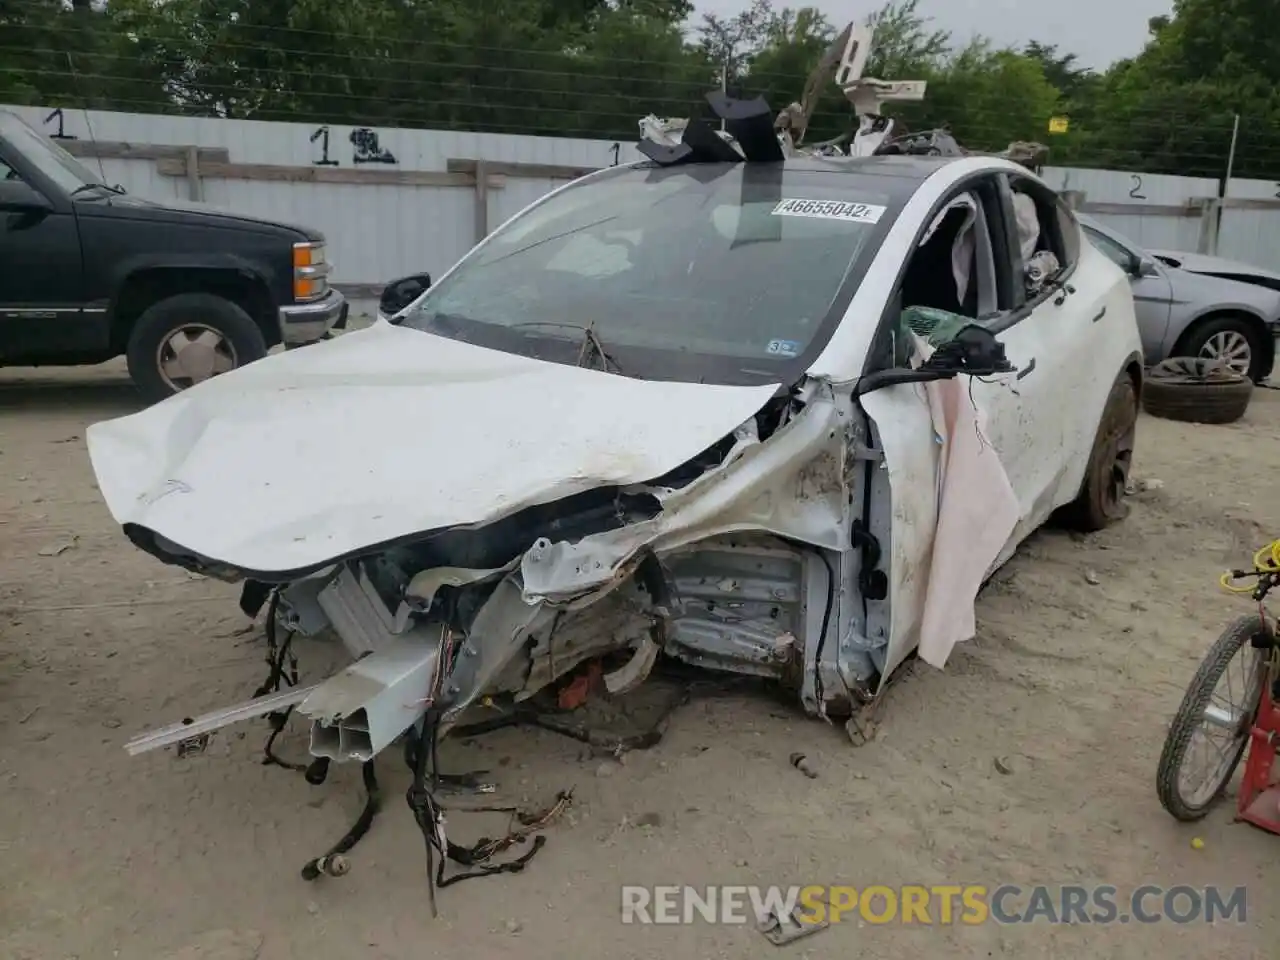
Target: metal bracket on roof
pixel 750 123
pixel 748 135
pixel 700 143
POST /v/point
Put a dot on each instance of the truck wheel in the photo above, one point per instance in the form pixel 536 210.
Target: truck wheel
pixel 184 340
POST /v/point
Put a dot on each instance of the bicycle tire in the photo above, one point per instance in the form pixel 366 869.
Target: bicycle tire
pixel 1237 634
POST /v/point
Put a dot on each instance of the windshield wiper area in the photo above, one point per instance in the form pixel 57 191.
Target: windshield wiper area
pixel 86 187
pixel 591 343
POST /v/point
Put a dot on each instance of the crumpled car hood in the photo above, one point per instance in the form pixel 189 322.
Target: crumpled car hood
pixel 304 457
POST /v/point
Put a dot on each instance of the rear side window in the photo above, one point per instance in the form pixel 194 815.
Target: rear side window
pixel 1058 230
pixel 1070 228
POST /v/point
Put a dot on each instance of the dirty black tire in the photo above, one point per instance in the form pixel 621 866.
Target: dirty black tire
pixel 166 317
pixel 1101 500
pixel 1195 401
pixel 1202 333
pixel 1185 722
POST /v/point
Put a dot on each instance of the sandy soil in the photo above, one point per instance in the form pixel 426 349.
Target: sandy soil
pixel 1085 646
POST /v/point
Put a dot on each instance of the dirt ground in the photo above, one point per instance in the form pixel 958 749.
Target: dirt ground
pixel 1085 646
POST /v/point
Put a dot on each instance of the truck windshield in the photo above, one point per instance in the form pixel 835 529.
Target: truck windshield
pixel 724 273
pixel 54 162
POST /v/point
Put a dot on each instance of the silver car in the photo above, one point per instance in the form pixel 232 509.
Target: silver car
pixel 1194 314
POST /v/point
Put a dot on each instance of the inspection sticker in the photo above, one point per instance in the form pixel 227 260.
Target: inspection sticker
pixel 830 210
pixel 783 348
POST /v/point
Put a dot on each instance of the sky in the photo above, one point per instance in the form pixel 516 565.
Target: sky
pixel 1098 32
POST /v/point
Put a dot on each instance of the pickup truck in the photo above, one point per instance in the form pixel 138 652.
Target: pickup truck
pixel 89 273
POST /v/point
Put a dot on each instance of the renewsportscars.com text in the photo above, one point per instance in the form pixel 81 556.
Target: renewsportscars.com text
pixel 968 904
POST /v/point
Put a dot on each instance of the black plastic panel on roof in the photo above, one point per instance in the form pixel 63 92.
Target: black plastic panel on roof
pixel 749 122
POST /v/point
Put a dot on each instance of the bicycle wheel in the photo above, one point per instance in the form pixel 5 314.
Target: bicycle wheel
pixel 1210 726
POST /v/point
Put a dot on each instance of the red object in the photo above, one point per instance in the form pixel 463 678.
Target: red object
pixel 1260 789
pixel 574 694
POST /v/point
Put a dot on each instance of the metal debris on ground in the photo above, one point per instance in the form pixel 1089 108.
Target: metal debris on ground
pixel 801 763
pixel 779 928
pixel 192 746
pixel 59 548
pixel 863 725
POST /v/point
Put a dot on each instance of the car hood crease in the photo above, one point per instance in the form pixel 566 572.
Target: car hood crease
pixel 315 454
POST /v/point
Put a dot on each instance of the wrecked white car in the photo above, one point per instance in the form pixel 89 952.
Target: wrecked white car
pixel 752 473
pixel 776 416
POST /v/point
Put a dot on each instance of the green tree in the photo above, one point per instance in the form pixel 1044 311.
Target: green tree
pixel 1073 82
pixel 906 45
pixel 1172 108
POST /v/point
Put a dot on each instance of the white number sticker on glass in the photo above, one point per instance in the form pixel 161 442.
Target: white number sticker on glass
pixel 830 210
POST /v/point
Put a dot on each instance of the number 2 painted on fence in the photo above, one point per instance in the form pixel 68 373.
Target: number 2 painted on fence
pixel 1136 192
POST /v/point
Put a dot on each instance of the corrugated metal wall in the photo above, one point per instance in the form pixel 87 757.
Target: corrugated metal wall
pixel 378 232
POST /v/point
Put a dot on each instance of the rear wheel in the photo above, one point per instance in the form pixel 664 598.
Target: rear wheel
pixel 189 338
pixel 1101 499
pixel 1211 728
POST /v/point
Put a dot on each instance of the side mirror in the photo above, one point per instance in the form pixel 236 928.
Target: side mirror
pixel 974 351
pixel 16 196
pixel 398 294
pixel 1144 267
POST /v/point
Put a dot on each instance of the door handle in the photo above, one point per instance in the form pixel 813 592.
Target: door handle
pixel 1101 313
pixel 1025 371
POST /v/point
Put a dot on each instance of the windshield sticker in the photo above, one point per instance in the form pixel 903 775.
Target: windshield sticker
pixel 830 210
pixel 783 348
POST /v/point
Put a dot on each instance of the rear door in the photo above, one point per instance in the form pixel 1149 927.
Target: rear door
pixel 1040 416
pixel 1059 338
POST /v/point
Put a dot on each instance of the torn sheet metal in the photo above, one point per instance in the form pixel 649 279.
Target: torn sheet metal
pixel 310 455
pixel 754 489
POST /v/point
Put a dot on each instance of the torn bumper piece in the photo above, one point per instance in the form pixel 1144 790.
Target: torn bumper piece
pixel 216 720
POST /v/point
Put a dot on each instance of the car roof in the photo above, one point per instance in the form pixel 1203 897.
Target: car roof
pixel 905 167
pixel 897 176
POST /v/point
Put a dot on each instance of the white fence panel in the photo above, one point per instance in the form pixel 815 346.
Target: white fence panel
pixel 380 231
pixel 1251 236
pixel 1139 189
pixel 376 232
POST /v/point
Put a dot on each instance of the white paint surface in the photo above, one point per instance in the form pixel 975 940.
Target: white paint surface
pixel 311 454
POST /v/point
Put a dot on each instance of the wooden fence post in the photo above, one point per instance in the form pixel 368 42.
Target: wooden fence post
pixel 482 201
pixel 1074 199
pixel 1210 215
pixel 195 188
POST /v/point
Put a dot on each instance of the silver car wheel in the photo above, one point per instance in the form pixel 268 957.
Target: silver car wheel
pixel 1231 348
pixel 192 354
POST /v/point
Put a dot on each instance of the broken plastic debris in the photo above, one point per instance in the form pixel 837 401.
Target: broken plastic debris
pixel 59 548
